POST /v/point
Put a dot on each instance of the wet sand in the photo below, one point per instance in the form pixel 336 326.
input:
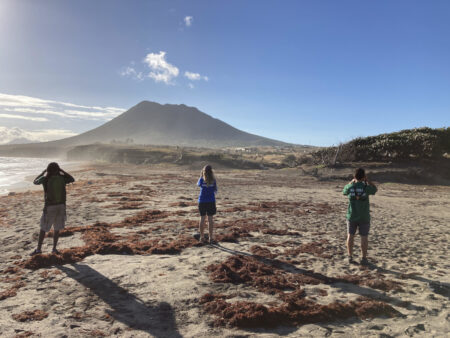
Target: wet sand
pixel 130 267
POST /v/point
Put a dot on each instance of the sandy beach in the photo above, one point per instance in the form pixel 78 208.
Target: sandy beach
pixel 130 267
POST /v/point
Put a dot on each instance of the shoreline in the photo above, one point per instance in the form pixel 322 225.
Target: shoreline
pixel 26 184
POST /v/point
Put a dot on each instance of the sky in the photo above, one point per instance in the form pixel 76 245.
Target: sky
pixel 305 72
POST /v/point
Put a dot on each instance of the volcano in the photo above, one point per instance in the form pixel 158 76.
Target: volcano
pixel 169 124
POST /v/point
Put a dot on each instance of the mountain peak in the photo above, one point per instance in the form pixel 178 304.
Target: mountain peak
pixel 146 103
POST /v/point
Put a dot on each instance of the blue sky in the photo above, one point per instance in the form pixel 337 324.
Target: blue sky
pixel 307 72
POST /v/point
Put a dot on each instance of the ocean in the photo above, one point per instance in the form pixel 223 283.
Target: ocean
pixel 16 171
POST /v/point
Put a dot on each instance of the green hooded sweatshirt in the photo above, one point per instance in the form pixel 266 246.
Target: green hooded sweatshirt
pixel 358 196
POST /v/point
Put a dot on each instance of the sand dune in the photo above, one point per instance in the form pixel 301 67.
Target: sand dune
pixel 130 267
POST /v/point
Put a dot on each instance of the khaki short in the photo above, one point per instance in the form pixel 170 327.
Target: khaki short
pixel 53 215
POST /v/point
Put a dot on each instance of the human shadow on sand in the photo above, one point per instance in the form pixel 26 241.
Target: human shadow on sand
pixel 440 288
pixel 159 320
pixel 342 285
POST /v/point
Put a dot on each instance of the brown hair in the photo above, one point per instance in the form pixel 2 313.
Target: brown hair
pixel 208 175
pixel 360 174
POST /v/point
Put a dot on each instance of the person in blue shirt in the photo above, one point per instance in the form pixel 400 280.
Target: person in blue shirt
pixel 207 201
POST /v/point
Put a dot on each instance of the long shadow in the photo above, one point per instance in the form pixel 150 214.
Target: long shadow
pixel 438 287
pixel 159 321
pixel 342 285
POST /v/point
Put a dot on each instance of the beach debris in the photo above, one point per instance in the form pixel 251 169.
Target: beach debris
pixel 23 334
pixel 271 277
pixel 11 292
pixel 287 207
pixel 27 316
pixel 293 312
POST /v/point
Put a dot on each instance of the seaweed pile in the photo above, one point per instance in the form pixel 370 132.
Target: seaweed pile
pixel 319 248
pixel 275 276
pixel 99 240
pixel 294 312
pixel 13 275
pixel 27 316
pixel 12 291
pixel 271 278
pixel 286 207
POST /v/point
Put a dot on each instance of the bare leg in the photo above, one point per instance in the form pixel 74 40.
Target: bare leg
pixel 350 241
pixel 210 228
pixel 364 245
pixel 41 239
pixel 201 227
pixel 55 239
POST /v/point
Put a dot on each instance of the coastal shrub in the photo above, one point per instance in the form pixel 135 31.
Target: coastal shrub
pixel 289 161
pixel 419 143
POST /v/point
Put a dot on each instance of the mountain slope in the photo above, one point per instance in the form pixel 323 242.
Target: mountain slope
pixel 153 123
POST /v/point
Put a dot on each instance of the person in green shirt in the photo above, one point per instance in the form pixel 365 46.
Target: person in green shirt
pixel 358 212
pixel 54 181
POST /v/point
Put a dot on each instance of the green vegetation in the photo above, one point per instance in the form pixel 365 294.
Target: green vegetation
pixel 420 144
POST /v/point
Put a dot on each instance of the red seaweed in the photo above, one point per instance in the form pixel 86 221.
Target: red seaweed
pixel 27 316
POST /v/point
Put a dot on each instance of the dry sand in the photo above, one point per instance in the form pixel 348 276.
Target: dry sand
pixel 129 266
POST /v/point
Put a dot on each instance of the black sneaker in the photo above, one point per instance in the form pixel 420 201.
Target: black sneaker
pixel 36 252
pixel 350 260
pixel 364 261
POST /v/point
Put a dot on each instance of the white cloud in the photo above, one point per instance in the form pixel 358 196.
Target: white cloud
pixel 131 72
pixel 21 117
pixel 35 111
pixel 52 134
pixel 87 114
pixel 35 106
pixel 195 76
pixel 192 76
pixel 188 21
pixel 22 101
pixel 162 71
pixel 8 135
